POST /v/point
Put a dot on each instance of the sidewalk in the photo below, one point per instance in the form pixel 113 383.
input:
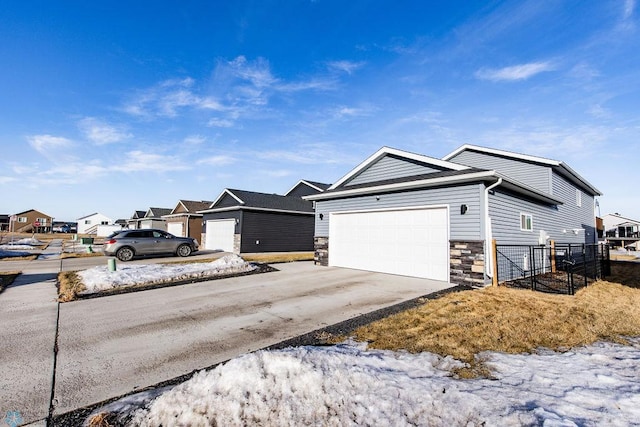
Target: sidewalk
pixel 28 313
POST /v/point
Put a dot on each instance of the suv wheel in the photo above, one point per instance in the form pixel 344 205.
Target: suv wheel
pixel 125 254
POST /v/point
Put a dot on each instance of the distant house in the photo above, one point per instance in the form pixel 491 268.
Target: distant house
pixel 32 221
pixel 134 222
pixel 153 218
pixel 88 224
pixel 408 214
pixel 621 231
pixel 245 221
pixel 185 221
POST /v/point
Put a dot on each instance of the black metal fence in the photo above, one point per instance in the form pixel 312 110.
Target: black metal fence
pixel 563 268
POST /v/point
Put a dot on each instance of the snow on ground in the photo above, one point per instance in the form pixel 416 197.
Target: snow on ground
pixel 97 279
pixel 12 253
pixel 597 385
pixel 30 241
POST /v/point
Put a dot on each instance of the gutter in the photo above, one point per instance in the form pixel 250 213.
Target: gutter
pixel 488 265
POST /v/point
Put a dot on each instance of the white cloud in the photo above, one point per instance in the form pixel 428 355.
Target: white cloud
pixel 7 179
pixel 220 123
pixel 44 144
pixel 216 160
pixel 195 140
pixel 345 66
pixel 305 154
pixel 139 161
pixel 515 72
pixel 101 133
pixel 629 7
pixel 281 173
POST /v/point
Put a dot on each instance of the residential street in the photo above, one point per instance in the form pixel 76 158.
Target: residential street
pixel 115 345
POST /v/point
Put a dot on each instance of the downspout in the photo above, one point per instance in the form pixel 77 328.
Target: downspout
pixel 488 252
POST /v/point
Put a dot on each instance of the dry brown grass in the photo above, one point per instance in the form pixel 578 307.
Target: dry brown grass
pixel 507 320
pixel 69 285
pixel 278 257
pixel 80 254
pixel 20 258
pixel 626 273
pixel 100 420
pixel 7 278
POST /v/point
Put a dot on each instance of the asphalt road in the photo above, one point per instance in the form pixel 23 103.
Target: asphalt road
pixel 115 345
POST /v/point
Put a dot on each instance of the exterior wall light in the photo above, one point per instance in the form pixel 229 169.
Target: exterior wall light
pixel 463 209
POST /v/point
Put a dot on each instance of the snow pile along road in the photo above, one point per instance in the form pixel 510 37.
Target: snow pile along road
pixel 349 385
pixel 98 279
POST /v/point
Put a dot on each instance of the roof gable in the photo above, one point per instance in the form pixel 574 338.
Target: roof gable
pixel 305 187
pixel 390 163
pixel 559 167
pixel 157 212
pixel 190 206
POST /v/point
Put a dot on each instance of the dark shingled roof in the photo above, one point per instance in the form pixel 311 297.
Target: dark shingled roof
pixel 193 206
pixel 252 199
pixel 157 212
pixel 320 185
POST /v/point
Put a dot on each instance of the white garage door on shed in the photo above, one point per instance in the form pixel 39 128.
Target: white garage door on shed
pixel 409 242
pixel 219 234
pixel 176 228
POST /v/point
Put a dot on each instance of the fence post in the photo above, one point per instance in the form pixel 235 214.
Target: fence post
pixel 553 255
pixel 584 257
pixel 532 268
pixel 494 251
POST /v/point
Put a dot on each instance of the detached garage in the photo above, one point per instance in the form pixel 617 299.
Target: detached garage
pixel 246 221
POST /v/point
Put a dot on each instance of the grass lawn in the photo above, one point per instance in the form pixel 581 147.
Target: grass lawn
pixel 7 278
pixel 508 320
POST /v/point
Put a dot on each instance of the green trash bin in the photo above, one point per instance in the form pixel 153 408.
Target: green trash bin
pixel 87 240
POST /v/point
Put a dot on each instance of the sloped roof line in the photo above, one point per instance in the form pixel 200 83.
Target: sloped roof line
pixel 400 153
pixel 319 186
pixel 562 166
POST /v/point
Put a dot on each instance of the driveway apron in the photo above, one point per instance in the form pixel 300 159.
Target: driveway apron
pixel 116 345
pixel 28 312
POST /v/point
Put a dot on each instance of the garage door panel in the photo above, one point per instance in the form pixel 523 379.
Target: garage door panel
pixel 175 228
pixel 412 242
pixel 220 235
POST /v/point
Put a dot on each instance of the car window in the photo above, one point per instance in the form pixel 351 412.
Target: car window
pixel 159 234
pixel 135 234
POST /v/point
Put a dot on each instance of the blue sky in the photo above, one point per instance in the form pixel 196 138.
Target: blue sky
pixel 119 106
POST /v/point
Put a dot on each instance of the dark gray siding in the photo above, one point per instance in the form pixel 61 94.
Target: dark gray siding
pixel 236 214
pixel 389 167
pixel 463 227
pixel 558 222
pixel 276 232
pixel 531 174
pixel 227 201
pixel 302 190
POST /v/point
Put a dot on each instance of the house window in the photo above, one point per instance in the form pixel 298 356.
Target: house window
pixel 526 222
pixel 578 198
pixel 104 223
pixel 42 220
pixel 22 219
pixel 87 221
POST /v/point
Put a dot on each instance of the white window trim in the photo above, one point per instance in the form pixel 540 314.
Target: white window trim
pixel 525 216
pixel 22 219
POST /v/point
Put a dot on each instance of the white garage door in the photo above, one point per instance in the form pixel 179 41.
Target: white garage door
pixel 219 234
pixel 176 228
pixel 408 242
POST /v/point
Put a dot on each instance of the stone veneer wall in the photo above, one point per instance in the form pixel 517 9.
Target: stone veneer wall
pixel 321 248
pixel 466 263
pixel 237 238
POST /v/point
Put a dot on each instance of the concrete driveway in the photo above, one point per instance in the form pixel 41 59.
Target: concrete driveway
pixel 115 345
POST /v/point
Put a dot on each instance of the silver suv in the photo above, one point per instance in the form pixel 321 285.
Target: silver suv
pixel 127 244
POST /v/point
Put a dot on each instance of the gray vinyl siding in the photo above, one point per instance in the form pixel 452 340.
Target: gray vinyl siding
pixel 276 232
pixel 463 227
pixel 505 210
pixel 389 167
pixel 531 174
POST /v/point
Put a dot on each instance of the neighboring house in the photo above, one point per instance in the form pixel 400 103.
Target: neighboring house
pixel 4 222
pixel 408 214
pixel 621 232
pixel 153 218
pixel 245 221
pixel 88 224
pixel 305 188
pixel 134 222
pixel 32 221
pixel 185 221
